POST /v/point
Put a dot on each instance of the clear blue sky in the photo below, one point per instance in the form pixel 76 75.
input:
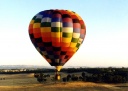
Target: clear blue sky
pixel 105 44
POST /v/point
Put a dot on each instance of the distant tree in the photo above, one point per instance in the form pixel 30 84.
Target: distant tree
pixel 80 78
pixel 119 79
pixel 64 79
pixel 69 77
pixel 83 74
pixel 74 78
pixel 41 75
pixel 39 79
pixel 36 75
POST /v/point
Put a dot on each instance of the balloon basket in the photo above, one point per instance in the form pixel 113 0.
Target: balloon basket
pixel 57 76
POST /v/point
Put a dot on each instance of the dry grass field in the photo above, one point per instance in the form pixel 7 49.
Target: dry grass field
pixel 26 82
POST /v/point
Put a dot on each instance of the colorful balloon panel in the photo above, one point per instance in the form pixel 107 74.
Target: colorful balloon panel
pixel 57 34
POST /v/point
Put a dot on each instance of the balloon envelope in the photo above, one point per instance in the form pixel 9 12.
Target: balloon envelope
pixel 57 35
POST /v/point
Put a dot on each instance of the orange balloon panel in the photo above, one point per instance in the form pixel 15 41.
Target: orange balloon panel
pixel 57 34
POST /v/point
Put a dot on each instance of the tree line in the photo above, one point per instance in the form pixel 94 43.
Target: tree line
pixel 107 75
pixel 100 75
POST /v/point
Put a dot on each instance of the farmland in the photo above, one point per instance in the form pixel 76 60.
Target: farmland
pixel 27 82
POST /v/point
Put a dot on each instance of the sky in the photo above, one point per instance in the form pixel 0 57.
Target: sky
pixel 105 44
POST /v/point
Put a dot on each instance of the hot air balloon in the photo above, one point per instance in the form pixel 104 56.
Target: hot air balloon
pixel 57 35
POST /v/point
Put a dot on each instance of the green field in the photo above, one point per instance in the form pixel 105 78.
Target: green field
pixel 27 82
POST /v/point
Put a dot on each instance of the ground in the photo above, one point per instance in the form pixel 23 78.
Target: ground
pixel 27 82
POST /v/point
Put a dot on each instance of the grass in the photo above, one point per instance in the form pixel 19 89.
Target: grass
pixel 26 82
